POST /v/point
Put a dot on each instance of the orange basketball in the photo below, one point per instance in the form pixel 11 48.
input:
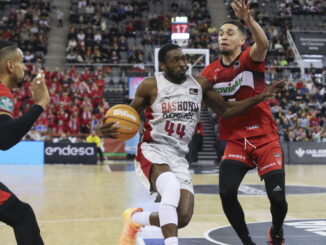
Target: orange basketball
pixel 128 119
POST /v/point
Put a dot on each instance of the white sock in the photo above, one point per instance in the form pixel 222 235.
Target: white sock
pixel 171 241
pixel 141 218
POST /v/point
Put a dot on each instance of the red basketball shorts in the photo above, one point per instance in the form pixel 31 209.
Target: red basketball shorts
pixel 263 152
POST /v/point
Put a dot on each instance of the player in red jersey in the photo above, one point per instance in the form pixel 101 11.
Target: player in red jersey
pixel 13 212
pixel 252 139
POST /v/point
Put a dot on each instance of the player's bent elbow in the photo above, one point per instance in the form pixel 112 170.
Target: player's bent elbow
pixel 5 144
pixel 4 147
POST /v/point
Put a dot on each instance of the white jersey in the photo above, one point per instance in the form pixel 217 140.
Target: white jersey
pixel 172 118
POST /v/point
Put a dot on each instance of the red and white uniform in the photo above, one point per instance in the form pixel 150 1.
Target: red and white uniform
pixel 6 105
pixel 169 127
pixel 6 100
pixel 242 79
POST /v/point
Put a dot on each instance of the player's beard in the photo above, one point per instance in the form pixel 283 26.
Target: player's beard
pixel 19 81
pixel 226 52
pixel 176 77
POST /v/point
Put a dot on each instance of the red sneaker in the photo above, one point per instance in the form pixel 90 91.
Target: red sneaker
pixel 275 238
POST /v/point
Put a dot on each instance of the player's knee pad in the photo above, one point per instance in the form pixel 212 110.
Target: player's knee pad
pixel 17 213
pixel 169 188
pixel 167 214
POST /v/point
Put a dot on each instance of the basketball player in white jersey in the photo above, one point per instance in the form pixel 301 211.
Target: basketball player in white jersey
pixel 172 101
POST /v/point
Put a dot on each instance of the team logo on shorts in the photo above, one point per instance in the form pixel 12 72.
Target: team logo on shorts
pixel 278 158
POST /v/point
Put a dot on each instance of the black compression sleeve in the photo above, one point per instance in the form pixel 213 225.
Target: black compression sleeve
pixel 12 130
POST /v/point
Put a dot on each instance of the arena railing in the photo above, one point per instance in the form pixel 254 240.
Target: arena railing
pixel 296 52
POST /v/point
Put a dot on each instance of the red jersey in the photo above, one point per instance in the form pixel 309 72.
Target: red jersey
pixel 241 79
pixel 6 100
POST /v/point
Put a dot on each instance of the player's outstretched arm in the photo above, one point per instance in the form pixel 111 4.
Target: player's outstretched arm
pixel 143 94
pixel 259 50
pixel 109 130
pixel 230 109
pixel 13 130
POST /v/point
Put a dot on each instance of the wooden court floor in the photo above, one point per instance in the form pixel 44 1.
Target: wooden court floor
pixel 82 205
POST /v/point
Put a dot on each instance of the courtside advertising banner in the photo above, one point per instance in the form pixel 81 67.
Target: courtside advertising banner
pixel 74 153
pixel 310 43
pixel 307 153
pixel 25 152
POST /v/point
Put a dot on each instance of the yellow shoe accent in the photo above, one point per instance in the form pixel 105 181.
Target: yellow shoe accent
pixel 129 232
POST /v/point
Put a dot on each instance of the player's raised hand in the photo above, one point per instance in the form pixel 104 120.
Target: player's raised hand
pixel 39 90
pixel 242 9
pixel 271 90
pixel 107 130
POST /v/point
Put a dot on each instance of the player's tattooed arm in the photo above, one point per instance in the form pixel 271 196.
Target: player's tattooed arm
pixel 145 93
pixel 226 109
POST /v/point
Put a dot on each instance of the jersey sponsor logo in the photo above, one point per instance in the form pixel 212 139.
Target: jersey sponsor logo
pixel 6 104
pixel 252 127
pixel 69 151
pixel 230 88
pixel 237 65
pixel 117 112
pixel 193 91
pixel 178 115
pixel 179 106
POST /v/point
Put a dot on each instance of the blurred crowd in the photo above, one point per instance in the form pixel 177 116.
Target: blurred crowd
pixel 127 31
pixel 28 26
pixel 77 103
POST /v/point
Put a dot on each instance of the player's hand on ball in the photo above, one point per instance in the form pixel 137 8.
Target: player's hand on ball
pixel 107 130
pixel 271 90
pixel 39 90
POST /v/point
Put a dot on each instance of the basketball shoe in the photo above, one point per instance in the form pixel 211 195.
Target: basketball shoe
pixel 129 232
pixel 275 238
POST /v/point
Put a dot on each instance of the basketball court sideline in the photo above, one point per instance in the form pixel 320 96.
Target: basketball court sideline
pixel 83 204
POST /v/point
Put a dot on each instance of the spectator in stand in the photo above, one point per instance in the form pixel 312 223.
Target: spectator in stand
pixel 60 127
pixel 314 120
pixel 86 120
pixel 64 138
pixel 96 96
pixel 59 17
pixel 74 123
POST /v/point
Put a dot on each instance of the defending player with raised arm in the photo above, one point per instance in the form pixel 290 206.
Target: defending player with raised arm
pixel 13 212
pixel 252 139
pixel 172 101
